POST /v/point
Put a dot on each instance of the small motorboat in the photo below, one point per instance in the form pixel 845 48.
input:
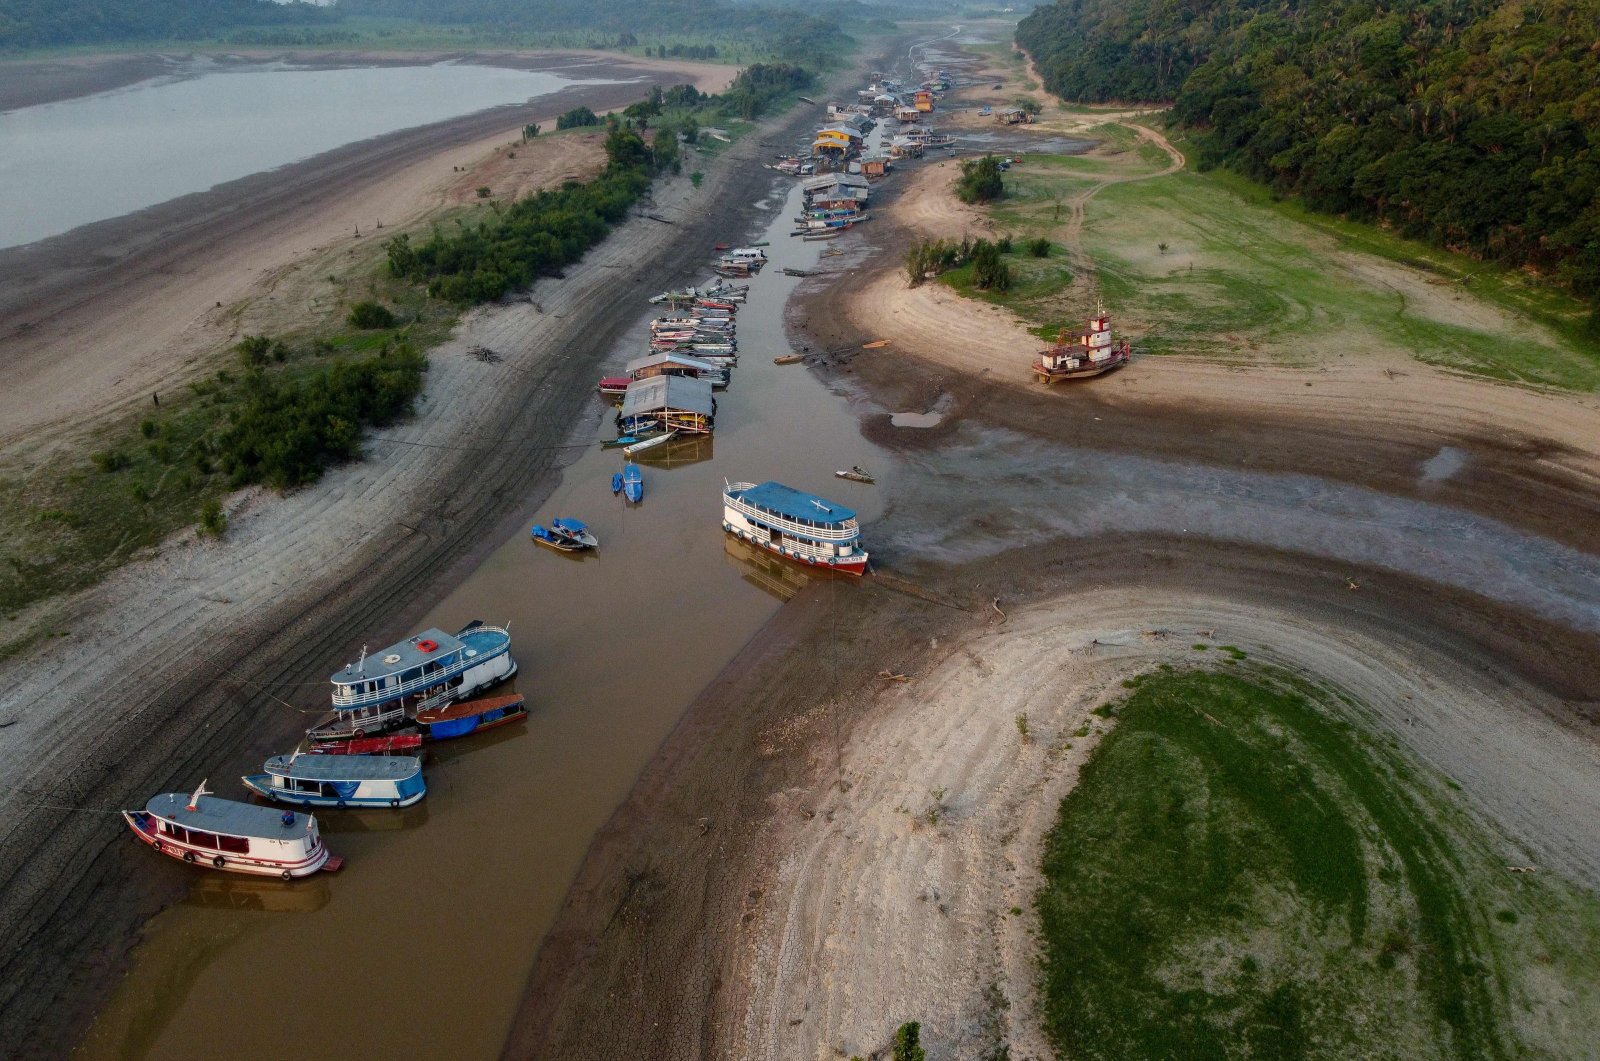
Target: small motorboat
pixel 857 474
pixel 633 481
pixel 471 716
pixel 565 535
pixel 616 483
pixel 390 745
pixel 614 386
pixel 639 447
pixel 620 440
pixel 788 359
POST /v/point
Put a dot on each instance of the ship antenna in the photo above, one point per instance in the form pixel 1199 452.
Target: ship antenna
pixel 361 664
pixel 194 800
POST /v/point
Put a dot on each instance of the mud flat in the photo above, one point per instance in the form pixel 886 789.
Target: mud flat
pixel 176 664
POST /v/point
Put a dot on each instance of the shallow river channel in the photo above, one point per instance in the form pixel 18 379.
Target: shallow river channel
pixel 422 945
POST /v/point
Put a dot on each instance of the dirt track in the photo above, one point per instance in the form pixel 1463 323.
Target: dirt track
pixel 175 661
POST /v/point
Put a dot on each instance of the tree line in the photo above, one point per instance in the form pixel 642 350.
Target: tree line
pixel 43 23
pixel 1472 124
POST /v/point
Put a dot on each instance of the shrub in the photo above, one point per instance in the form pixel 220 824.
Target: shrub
pixel 371 314
pixel 110 460
pixel 908 1042
pixel 213 521
pixel 1039 248
pixel 989 270
pixel 1004 244
pixel 149 428
pixel 980 180
pixel 254 350
pixel 140 492
pixel 577 118
pixel 696 177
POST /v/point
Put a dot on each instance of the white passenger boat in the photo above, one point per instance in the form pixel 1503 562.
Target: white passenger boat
pixel 341 780
pixel 385 690
pixel 792 523
pixel 204 830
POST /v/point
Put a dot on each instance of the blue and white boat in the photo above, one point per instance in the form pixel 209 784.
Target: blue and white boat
pixel 633 483
pixel 803 527
pixel 384 690
pixel 341 780
pixel 565 535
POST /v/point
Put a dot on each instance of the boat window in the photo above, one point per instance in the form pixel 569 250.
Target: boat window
pixel 237 845
pixel 177 832
pixel 411 675
pixel 200 839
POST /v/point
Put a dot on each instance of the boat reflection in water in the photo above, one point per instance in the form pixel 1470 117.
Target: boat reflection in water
pixel 227 892
pixel 375 820
pixel 679 453
pixel 771 574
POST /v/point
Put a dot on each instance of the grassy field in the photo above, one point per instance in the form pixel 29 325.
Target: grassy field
pixel 1244 872
pixel 1209 265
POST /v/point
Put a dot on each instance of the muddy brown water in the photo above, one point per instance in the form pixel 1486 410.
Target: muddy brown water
pixel 422 945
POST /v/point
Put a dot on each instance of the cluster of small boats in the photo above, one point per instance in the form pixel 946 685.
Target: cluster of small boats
pixel 414 692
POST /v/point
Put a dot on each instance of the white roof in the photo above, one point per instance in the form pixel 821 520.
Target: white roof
pixel 653 360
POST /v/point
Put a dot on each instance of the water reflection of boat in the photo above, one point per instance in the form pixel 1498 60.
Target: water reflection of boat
pixel 681 453
pixel 376 821
pixel 764 571
pixel 256 893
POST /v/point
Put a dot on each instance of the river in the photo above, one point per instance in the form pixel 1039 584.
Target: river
pixel 422 944
pixel 76 161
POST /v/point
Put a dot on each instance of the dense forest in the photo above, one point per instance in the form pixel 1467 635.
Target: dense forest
pixel 41 23
pixel 1470 123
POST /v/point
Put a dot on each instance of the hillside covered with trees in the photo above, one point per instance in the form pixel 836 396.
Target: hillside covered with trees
pixel 1469 123
pixel 46 23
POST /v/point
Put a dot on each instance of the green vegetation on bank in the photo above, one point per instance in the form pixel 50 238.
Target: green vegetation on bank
pixel 1473 124
pixel 44 23
pixel 1243 871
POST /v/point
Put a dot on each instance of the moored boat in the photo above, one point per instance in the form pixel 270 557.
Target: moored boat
pixel 472 716
pixel 794 524
pixel 857 474
pixel 632 477
pixel 340 781
pixel 565 535
pixel 392 744
pixel 380 692
pixel 224 834
pixel 788 359
pixel 614 386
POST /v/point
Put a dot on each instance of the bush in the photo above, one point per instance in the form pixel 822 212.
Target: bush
pixel 110 460
pixel 149 428
pixel 1039 248
pixel 484 192
pixel 577 118
pixel 980 180
pixel 371 314
pixel 989 270
pixel 213 521
pixel 1003 244
pixel 908 1042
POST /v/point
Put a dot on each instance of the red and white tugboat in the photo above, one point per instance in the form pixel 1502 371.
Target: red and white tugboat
pixel 1078 355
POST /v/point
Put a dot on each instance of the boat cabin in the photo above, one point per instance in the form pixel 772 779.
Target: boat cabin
pixel 227 835
pixel 382 690
pixel 341 780
pixel 792 523
pixel 667 403
pixel 672 364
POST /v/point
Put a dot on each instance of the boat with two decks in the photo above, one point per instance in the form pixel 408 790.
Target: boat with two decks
pixel 1080 355
pixel 223 834
pixel 384 691
pixel 340 780
pixel 802 527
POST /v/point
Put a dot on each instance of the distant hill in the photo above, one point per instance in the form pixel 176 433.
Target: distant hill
pixel 1471 123
pixel 46 23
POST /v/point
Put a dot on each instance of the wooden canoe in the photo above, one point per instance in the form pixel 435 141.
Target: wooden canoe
pixel 788 359
pixel 391 745
pixel 471 716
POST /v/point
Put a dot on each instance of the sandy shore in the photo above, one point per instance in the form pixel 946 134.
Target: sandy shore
pixel 818 854
pixel 178 657
pixel 101 317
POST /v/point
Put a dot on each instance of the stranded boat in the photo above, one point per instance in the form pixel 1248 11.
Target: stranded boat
pixel 1079 355
pixel 792 523
pixel 231 836
pixel 857 474
pixel 473 716
pixel 565 535
pixel 382 691
pixel 341 781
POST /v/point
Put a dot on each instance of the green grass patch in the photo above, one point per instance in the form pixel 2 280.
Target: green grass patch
pixel 1242 872
pixel 1036 289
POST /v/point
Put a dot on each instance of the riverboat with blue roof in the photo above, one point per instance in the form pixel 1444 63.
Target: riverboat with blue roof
pixel 341 780
pixel 802 527
pixel 223 834
pixel 384 691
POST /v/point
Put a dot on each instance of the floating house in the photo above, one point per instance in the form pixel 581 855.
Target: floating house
pixel 673 364
pixel 1013 116
pixel 340 780
pixel 874 165
pixel 907 115
pixel 924 100
pixel 794 524
pixel 667 403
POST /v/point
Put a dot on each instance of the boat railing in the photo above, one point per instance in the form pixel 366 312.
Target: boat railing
pixel 349 701
pixel 849 530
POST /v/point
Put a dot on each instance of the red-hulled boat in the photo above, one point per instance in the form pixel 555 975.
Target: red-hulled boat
pixel 396 744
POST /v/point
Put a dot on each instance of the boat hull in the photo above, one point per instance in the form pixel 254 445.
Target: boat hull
pixel 458 724
pixel 401 742
pixel 261 785
pixel 851 565
pixel 202 858
pixel 1051 376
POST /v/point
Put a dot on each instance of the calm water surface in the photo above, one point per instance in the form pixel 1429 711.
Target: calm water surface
pixel 69 163
pixel 422 945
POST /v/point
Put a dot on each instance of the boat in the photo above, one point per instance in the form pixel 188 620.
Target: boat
pixel 225 834
pixel 857 474
pixel 616 483
pixel 473 716
pixel 633 478
pixel 794 524
pixel 620 440
pixel 640 447
pixel 380 692
pixel 614 386
pixel 877 344
pixel 788 359
pixel 389 745
pixel 820 236
pixel 340 781
pixel 1079 355
pixel 565 535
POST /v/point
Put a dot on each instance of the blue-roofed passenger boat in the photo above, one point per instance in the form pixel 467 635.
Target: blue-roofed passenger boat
pixel 224 834
pixel 473 716
pixel 341 780
pixel 792 523
pixel 383 691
